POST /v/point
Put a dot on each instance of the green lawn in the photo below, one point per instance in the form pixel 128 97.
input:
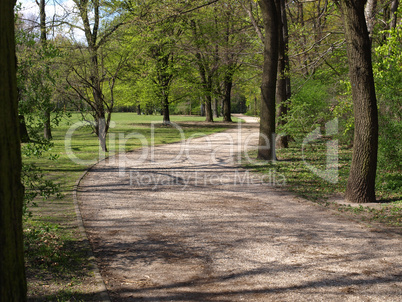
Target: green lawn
pixel 291 165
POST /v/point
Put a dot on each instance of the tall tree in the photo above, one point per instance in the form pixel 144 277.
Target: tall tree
pixel 92 75
pixel 43 39
pixel 266 144
pixel 12 270
pixel 206 60
pixel 361 181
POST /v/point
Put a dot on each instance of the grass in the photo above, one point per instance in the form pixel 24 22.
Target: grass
pixel 303 182
pixel 56 255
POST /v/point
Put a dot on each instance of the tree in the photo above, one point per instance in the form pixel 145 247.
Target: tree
pixel 266 143
pixel 12 270
pixel 206 60
pixel 361 181
pixel 92 76
pixel 43 39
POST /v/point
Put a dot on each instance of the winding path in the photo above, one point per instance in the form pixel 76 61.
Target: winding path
pixel 187 224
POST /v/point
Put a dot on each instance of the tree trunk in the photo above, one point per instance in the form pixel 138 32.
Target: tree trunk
pixel 215 108
pixel 370 12
pixel 208 109
pixel 266 144
pixel 12 270
pixel 138 109
pixel 361 181
pixel 228 83
pixel 166 117
pixel 47 127
pixel 23 129
pixel 283 91
pixel 47 131
pixel 394 13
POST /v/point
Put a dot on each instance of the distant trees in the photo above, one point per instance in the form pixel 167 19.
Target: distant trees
pixel 12 271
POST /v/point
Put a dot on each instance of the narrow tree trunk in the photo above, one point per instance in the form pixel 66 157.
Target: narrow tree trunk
pixel 12 270
pixel 208 109
pixel 138 109
pixel 361 181
pixel 166 117
pixel 47 127
pixel 283 92
pixel 228 83
pixel 266 144
pixel 47 131
pixel 394 13
pixel 215 108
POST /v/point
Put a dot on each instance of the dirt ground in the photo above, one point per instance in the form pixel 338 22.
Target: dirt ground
pixel 183 222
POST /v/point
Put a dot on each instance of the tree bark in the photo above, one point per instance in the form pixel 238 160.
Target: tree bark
pixel 361 181
pixel 394 13
pixel 208 109
pixel 370 11
pixel 228 83
pixel 266 144
pixel 47 130
pixel 12 270
pixel 283 90
pixel 166 116
pixel 24 136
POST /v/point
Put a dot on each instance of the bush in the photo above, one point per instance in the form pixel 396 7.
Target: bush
pixel 307 109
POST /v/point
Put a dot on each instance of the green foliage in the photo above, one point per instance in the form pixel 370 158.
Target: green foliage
pixel 343 110
pixel 307 109
pixel 388 74
pixel 33 178
pixel 43 246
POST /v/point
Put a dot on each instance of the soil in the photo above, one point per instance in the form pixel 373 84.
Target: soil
pixel 184 222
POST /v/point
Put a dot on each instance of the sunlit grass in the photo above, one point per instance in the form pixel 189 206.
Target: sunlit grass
pixel 293 164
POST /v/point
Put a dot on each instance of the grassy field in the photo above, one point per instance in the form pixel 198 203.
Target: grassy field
pixel 292 166
pixel 57 258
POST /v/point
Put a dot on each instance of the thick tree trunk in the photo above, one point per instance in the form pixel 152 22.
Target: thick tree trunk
pixel 283 91
pixel 361 181
pixel 12 269
pixel 266 144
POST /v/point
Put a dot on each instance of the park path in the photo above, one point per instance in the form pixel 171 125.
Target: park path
pixel 186 223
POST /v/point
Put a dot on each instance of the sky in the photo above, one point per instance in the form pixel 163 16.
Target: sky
pixel 55 9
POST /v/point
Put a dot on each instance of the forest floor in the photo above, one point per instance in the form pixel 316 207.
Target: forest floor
pixel 185 222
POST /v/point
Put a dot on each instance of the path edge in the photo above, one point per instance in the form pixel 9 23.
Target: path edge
pixel 103 293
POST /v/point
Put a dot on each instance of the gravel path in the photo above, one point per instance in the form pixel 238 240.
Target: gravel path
pixel 187 224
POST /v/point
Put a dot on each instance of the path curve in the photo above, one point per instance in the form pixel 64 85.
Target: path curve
pixel 196 227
